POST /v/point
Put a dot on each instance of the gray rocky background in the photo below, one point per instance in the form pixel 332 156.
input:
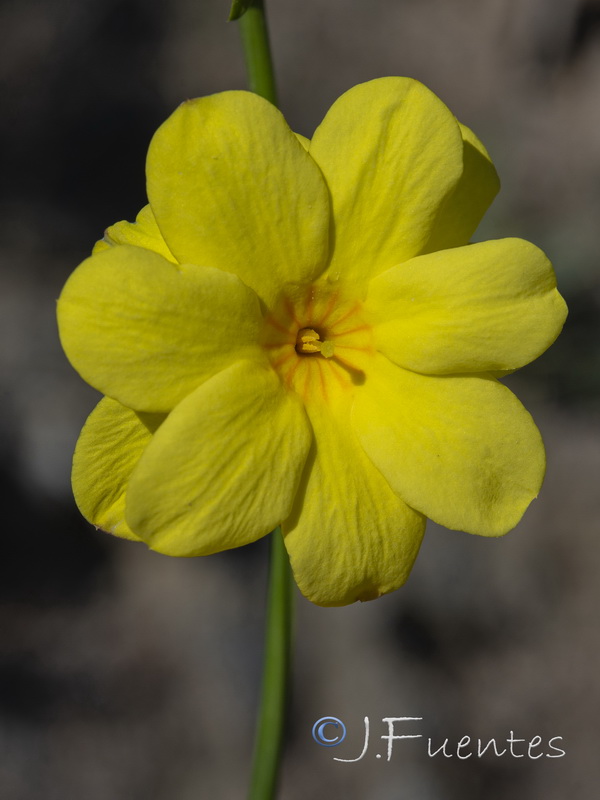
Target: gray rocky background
pixel 125 675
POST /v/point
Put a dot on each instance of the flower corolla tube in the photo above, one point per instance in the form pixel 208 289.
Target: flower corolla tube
pixel 298 332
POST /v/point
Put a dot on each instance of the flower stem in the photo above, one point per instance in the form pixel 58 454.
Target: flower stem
pixel 271 717
pixel 257 51
pixel 276 670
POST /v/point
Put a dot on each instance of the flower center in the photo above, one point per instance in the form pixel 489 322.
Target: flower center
pixel 318 341
pixel 308 341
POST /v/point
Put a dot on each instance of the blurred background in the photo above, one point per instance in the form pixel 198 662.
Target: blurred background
pixel 127 675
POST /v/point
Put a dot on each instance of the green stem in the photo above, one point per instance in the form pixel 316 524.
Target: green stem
pixel 276 670
pixel 257 51
pixel 271 717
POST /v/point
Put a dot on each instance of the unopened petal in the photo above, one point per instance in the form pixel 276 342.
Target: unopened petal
pixel 224 468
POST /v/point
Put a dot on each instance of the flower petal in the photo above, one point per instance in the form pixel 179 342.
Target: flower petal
pixel 391 152
pixel 143 232
pixel 460 449
pixel 349 537
pixel 147 332
pixel 108 448
pixel 463 209
pixel 223 469
pixel 232 187
pixel 303 141
pixel 478 308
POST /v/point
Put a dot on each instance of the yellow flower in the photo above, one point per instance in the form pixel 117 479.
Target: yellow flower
pixel 298 333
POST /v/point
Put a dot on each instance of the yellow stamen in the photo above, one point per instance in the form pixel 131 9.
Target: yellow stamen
pixel 309 341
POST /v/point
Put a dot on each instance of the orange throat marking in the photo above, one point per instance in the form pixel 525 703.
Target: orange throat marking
pixel 318 341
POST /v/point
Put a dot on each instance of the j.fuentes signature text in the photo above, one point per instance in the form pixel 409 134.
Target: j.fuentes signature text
pixel 331 731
